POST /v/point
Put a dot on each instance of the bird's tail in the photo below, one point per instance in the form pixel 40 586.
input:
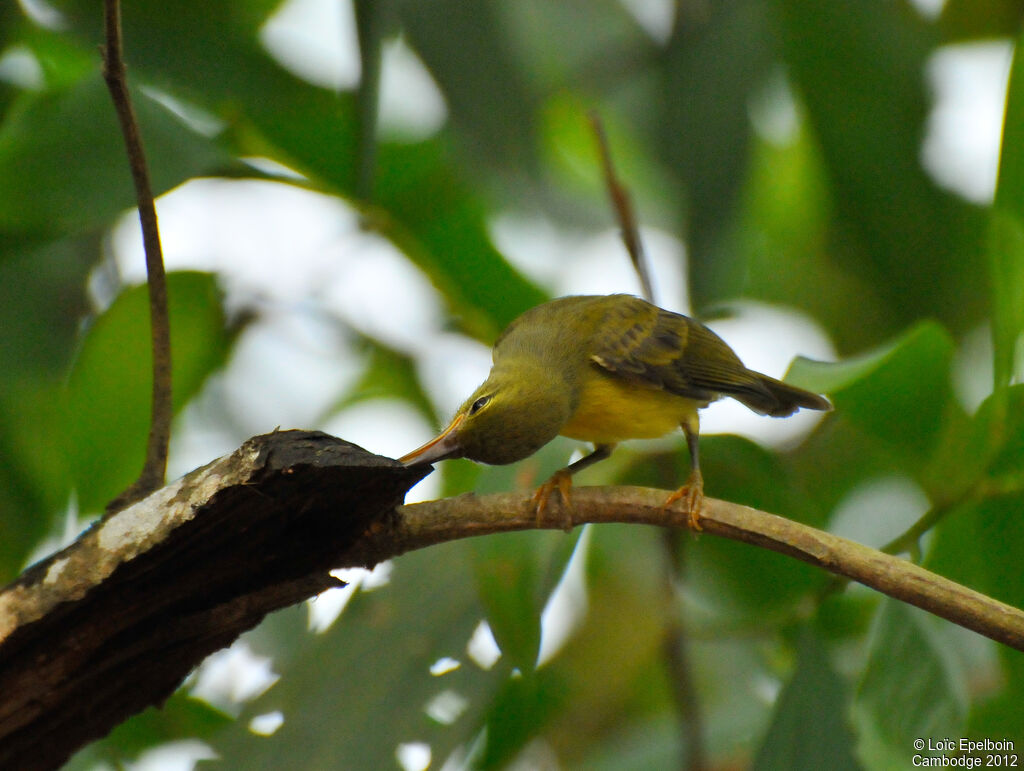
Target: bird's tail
pixel 779 400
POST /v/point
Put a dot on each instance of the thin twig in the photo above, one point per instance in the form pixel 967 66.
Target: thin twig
pixel 369 21
pixel 910 540
pixel 984 488
pixel 623 208
pixel 155 468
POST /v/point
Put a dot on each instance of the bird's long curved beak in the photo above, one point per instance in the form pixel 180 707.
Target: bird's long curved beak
pixel 444 445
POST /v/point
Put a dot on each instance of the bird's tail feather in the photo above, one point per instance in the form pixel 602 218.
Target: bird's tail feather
pixel 779 400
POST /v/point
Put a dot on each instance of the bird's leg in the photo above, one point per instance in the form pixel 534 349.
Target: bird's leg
pixel 561 480
pixel 693 490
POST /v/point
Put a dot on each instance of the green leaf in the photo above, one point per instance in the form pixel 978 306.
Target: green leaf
pixel 898 392
pixel 351 695
pixel 108 391
pixel 857 68
pixel 211 49
pixel 913 687
pixel 63 165
pixel 832 377
pixel 440 224
pixel 730 576
pixel 516 573
pixel 1006 233
pixel 609 668
pixel 467 49
pixel 973 20
pixel 744 472
pixel 522 707
pixel 180 717
pixel 809 729
pixel 1002 716
pixel 781 247
pixel 980 545
pixel 1011 159
pixel 388 373
pixel 63 60
pixel 41 301
pixel 509 578
pixel 999 436
pixel 35 483
pixel 711 68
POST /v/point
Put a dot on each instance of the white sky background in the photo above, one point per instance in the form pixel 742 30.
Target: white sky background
pixel 301 258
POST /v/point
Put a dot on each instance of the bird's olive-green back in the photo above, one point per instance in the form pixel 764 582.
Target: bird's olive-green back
pixel 631 339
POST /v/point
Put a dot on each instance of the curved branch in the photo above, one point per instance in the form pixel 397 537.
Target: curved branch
pixel 422 524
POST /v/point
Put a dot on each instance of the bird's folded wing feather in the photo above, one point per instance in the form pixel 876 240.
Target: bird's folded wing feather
pixel 643 343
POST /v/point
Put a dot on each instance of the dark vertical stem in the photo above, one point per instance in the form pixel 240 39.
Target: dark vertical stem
pixel 155 467
pixel 369 18
pixel 677 658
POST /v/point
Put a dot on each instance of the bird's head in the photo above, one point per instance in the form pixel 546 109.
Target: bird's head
pixel 514 413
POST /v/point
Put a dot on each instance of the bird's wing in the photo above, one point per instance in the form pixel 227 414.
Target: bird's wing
pixel 643 343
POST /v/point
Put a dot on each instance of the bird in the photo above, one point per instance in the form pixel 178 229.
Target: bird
pixel 603 369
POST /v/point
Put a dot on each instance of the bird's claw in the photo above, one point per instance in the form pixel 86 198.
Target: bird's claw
pixel 562 482
pixel 693 493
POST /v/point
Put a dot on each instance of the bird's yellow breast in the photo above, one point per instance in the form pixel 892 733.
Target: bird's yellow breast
pixel 612 410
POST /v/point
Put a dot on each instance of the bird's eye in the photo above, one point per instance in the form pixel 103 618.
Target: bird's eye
pixel 479 405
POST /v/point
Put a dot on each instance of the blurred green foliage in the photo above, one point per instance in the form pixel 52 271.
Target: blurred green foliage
pixel 838 219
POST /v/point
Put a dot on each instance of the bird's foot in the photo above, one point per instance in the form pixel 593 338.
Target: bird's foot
pixel 693 493
pixel 562 482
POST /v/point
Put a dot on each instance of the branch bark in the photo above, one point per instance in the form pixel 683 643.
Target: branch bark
pixel 114 622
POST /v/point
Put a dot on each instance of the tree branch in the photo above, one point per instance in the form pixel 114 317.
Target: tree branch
pixel 423 524
pixel 154 469
pixel 114 622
